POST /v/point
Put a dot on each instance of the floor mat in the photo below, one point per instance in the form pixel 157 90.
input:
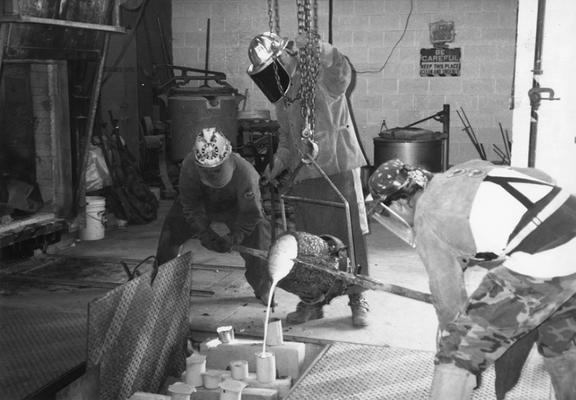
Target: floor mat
pixel 352 371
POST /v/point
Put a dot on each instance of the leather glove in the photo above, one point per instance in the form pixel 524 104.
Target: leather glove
pixel 269 174
pixel 212 241
pixel 235 238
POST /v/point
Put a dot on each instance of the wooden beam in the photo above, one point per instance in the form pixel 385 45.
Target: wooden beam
pixel 25 19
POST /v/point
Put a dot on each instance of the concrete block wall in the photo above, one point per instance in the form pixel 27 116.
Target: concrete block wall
pixel 382 39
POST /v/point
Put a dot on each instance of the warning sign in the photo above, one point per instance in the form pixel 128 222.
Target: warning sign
pixel 440 62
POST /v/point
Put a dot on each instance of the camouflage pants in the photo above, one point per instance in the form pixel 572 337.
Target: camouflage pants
pixel 505 307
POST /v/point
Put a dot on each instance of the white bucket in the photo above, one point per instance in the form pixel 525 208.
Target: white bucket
pixel 95 218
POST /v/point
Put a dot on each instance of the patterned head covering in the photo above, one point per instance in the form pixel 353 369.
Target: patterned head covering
pixel 211 148
pixel 394 177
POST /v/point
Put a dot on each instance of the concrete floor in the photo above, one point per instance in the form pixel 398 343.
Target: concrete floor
pixel 395 321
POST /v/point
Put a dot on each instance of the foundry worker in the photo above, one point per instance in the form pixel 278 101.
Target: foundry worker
pixel 516 227
pixel 218 185
pixel 276 69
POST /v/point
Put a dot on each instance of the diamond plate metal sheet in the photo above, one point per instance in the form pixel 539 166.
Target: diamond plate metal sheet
pixel 352 371
pixel 37 346
pixel 137 332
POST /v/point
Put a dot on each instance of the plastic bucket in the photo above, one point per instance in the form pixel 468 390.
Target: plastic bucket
pixel 95 218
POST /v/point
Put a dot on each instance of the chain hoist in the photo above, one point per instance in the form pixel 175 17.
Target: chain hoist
pixel 308 66
pixel 308 63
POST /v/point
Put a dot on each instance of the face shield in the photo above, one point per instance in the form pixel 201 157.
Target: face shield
pixel 272 65
pixel 391 220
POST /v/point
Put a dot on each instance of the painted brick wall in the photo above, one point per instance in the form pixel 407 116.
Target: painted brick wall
pixel 385 56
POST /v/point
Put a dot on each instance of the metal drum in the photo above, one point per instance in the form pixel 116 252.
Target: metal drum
pixel 418 147
pixel 193 109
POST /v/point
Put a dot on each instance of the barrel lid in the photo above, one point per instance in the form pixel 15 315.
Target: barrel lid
pixel 410 134
pixel 202 91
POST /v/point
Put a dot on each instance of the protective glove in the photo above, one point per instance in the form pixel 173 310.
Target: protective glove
pixel 269 174
pixel 235 238
pixel 212 241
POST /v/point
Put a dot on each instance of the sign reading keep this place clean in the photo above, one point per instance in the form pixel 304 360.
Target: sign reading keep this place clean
pixel 440 62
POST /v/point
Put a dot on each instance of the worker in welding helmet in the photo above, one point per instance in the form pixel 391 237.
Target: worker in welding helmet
pixel 498 244
pixel 275 68
pixel 218 185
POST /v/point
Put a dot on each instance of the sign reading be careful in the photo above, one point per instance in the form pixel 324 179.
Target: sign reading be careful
pixel 440 62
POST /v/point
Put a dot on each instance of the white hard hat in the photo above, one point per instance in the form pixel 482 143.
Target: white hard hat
pixel 211 148
pixel 271 72
pixel 263 49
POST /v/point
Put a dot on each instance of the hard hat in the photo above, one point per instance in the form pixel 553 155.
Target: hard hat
pixel 394 178
pixel 271 72
pixel 263 49
pixel 211 148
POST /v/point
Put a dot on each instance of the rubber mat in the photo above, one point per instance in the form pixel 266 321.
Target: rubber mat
pixel 352 371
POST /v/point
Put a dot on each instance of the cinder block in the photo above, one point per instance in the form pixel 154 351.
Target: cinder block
pixel 249 393
pixel 289 356
pixel 280 385
pixel 148 396
pixel 254 391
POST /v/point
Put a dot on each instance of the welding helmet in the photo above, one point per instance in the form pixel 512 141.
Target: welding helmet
pixel 212 152
pixel 394 180
pixel 272 64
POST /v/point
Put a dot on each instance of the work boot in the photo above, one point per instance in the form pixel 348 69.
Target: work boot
pixel 305 312
pixel 359 307
pixel 452 383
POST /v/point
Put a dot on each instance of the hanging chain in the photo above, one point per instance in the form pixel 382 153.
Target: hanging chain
pixel 308 62
pixel 273 17
pixel 308 65
pixel 277 17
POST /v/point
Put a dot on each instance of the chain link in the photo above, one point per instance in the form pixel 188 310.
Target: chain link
pixel 308 64
pixel 277 14
pixel 273 17
pixel 270 17
pixel 309 61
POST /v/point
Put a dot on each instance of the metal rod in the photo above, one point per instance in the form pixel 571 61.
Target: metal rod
pixel 351 250
pixel 532 140
pixel 94 99
pixel 314 201
pixel 344 204
pixel 500 153
pixel 206 59
pixel 505 141
pixel 470 135
pixel 366 282
pixel 446 131
pixel 480 146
